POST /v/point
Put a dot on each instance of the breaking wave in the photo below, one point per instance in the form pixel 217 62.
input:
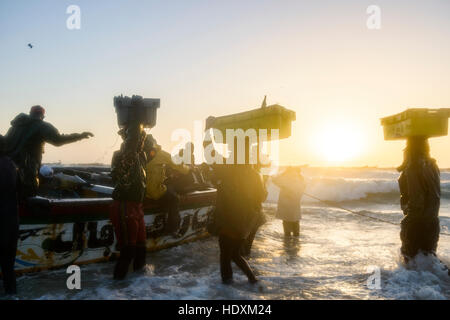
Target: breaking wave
pixel 345 184
pixel 423 278
pixel 351 189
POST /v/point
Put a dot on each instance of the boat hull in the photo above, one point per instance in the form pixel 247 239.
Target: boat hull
pixel 55 234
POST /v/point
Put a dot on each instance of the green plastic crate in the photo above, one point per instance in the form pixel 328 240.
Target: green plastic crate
pixel 416 122
pixel 270 117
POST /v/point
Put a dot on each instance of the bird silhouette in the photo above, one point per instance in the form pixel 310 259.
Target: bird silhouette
pixel 30 45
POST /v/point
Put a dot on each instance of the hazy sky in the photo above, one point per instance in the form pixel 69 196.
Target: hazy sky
pixel 205 58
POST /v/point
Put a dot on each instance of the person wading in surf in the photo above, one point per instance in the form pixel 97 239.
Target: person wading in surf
pixel 420 191
pixel 240 192
pixel 292 185
pixel 127 215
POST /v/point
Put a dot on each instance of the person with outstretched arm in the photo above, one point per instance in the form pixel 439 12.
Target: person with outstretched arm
pixel 25 142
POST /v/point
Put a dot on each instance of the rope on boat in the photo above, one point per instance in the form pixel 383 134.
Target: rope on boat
pixel 332 204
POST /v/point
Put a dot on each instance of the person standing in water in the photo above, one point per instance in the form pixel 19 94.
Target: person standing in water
pixel 9 219
pixel 127 215
pixel 240 192
pixel 239 195
pixel 420 191
pixel 292 186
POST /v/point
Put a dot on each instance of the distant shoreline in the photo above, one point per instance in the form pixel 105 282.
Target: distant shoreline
pixel 282 166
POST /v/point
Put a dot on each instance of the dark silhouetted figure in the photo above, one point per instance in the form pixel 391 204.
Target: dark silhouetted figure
pixel 127 215
pixel 420 191
pixel 9 219
pixel 240 191
pixel 25 145
pixel 260 217
pixel 292 185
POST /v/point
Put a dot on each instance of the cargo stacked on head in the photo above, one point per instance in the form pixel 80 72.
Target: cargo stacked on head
pixel 240 186
pixel 243 130
pixel 129 178
pixel 136 109
pixel 273 117
pixel 419 181
pixel 416 122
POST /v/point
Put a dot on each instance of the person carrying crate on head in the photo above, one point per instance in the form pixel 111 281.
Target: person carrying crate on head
pixel 127 215
pixel 129 178
pixel 419 181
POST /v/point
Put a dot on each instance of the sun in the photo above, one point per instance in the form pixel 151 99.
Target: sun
pixel 338 143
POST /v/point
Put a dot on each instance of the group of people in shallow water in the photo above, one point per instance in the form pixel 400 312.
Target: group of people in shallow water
pixel 139 170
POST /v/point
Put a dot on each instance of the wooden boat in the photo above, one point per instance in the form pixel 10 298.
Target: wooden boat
pixel 68 223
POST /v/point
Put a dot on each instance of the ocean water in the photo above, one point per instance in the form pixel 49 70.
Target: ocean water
pixel 337 256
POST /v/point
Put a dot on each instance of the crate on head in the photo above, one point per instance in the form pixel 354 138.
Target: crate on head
pixel 271 117
pixel 136 109
pixel 416 122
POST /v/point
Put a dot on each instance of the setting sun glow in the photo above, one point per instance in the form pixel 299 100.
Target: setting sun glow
pixel 338 143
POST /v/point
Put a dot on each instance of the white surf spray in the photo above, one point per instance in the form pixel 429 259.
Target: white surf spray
pixel 329 261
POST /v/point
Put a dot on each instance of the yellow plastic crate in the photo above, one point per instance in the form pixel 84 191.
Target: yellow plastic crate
pixel 416 122
pixel 270 117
